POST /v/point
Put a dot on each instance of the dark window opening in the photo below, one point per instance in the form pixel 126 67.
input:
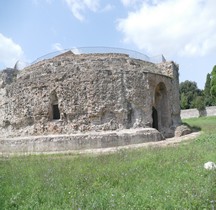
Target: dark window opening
pixel 56 113
pixel 154 118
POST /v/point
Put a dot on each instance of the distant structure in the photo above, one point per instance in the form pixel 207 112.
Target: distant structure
pixel 75 94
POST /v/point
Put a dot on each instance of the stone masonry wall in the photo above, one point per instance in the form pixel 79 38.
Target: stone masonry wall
pixel 93 92
pixel 172 70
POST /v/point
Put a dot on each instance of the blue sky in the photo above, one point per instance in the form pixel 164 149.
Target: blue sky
pixel 182 30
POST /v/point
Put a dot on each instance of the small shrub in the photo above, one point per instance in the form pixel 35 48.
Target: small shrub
pixel 200 103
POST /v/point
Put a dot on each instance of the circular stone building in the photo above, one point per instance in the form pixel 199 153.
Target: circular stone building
pixel 88 101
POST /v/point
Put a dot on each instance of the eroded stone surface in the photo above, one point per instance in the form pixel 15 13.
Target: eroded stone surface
pixel 90 140
pixel 93 92
pixel 182 130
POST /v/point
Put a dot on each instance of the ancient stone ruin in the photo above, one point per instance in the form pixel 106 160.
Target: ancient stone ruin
pixel 111 97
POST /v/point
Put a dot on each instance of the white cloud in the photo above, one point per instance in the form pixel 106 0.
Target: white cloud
pixel 10 52
pixel 133 3
pixel 78 7
pixel 57 47
pixel 183 27
pixel 107 8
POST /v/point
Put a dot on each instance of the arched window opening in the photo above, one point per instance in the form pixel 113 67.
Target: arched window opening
pixel 54 112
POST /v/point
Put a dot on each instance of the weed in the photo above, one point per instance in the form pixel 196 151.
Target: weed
pixel 155 178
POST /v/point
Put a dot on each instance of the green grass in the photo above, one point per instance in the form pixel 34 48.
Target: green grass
pixel 155 178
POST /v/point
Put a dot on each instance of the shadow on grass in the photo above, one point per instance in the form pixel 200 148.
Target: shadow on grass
pixel 193 128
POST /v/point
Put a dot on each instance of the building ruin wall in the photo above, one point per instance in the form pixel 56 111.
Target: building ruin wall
pixel 93 93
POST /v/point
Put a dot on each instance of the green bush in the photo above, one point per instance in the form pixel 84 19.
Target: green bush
pixel 200 103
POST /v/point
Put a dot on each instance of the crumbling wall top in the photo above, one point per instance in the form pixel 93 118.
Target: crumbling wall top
pixel 97 61
pixel 7 76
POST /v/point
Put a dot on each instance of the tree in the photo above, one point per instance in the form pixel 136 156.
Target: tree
pixel 188 93
pixel 209 100
pixel 213 83
pixel 200 103
pixel 184 102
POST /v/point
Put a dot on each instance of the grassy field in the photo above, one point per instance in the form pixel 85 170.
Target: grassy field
pixel 155 178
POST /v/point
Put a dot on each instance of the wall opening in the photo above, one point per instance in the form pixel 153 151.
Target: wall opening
pixel 54 107
pixel 55 112
pixel 154 118
pixel 161 106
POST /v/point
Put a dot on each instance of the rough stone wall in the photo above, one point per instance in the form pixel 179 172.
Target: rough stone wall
pixel 172 70
pixel 93 92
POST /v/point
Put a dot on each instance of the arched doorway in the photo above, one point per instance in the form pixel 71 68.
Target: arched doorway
pixel 161 112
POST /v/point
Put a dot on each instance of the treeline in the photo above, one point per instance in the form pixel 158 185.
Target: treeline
pixel 193 97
